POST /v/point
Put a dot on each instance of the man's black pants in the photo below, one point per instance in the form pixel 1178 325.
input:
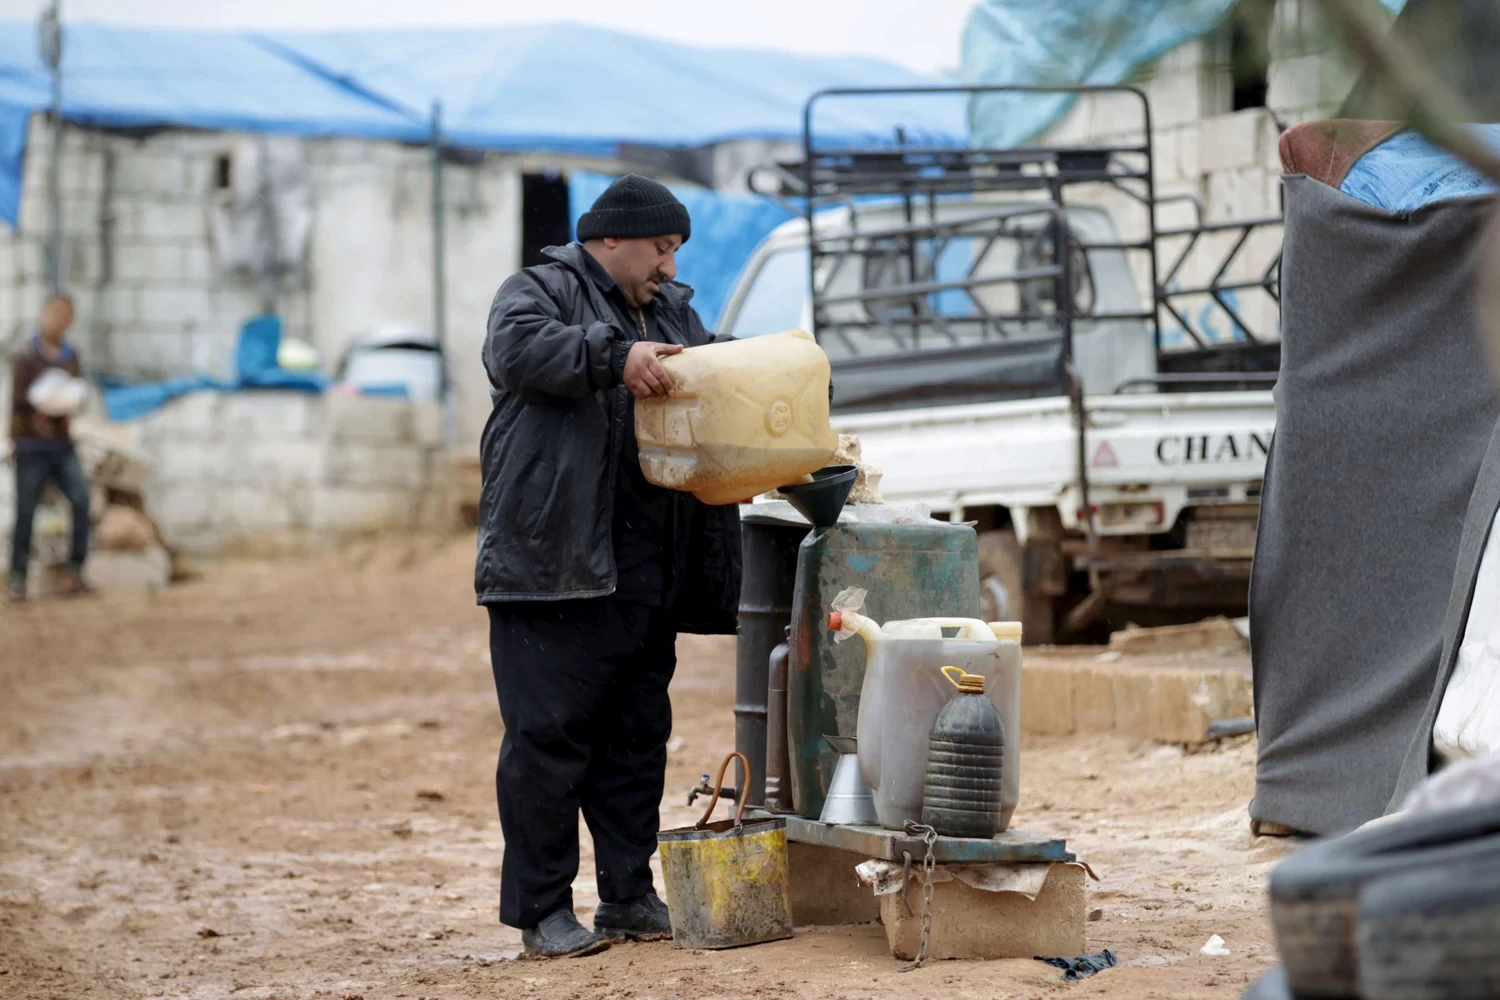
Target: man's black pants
pixel 583 694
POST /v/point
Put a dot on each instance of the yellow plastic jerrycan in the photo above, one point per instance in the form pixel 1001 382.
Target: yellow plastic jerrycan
pixel 746 417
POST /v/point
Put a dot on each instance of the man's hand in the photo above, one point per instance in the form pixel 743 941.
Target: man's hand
pixel 9 452
pixel 644 375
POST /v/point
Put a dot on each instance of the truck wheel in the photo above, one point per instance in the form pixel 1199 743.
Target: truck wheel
pixel 1002 594
pixel 1315 893
pixel 1431 935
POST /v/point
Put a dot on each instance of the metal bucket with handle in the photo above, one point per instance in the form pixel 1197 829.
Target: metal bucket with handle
pixel 728 883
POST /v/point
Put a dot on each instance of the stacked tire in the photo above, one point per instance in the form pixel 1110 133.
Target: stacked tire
pixel 1406 910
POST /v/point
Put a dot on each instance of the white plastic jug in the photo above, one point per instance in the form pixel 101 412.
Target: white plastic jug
pixel 904 689
pixel 745 417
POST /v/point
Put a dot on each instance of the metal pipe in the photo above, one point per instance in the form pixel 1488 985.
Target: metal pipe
pixel 50 38
pixel 439 276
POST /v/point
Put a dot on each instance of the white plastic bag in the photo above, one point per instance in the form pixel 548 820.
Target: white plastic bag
pixel 1468 721
pixel 1467 783
pixel 55 393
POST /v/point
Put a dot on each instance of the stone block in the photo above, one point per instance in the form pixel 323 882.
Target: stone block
pixel 1297 82
pixel 286 462
pixel 1093 699
pixel 347 510
pixel 1186 701
pixel 1237 194
pixel 824 889
pixel 1047 699
pixel 368 418
pixel 197 265
pixel 246 510
pixel 1133 701
pixel 152 262
pixel 1117 115
pixel 1176 99
pixel 137 571
pixel 173 220
pixel 1185 58
pixel 180 509
pixel 151 351
pixel 1209 634
pixel 357 464
pixel 427 423
pixel 268 414
pixel 141 172
pixel 187 461
pixel 176 305
pixel 969 923
pixel 193 416
pixel 1165 157
pixel 1233 141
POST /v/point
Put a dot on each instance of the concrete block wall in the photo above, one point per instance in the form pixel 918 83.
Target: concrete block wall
pixel 156 300
pixel 1227 161
pixel 278 473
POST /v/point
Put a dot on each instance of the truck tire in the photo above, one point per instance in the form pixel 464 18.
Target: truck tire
pixel 1271 986
pixel 1431 935
pixel 1315 893
pixel 1002 592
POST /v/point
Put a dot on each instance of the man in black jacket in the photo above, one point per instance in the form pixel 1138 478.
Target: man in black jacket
pixel 589 571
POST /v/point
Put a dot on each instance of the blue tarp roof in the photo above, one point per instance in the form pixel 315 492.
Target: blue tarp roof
pixel 558 87
pixel 568 86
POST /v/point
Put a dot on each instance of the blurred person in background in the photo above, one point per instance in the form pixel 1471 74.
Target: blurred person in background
pixel 41 448
pixel 588 570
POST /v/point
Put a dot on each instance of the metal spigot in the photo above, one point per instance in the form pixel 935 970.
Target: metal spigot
pixel 705 788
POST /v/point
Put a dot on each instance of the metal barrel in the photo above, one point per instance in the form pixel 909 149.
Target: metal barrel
pixel 770 572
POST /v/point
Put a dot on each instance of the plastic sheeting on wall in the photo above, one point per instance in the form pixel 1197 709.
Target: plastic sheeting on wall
pixel 1068 42
pixel 726 229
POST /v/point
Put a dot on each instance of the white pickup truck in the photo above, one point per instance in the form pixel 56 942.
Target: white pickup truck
pixel 979 430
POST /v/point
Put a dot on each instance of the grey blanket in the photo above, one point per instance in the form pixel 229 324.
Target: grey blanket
pixel 1384 410
pixel 1483 503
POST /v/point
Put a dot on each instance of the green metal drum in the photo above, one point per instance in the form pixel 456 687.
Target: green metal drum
pixel 928 569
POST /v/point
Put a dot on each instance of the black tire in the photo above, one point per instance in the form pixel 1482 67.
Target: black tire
pixel 1431 935
pixel 1315 893
pixel 1271 986
pixel 1002 591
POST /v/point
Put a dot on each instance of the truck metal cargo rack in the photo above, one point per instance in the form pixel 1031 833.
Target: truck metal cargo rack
pixel 902 312
pixel 909 332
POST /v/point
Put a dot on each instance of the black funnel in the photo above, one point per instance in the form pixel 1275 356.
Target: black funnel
pixel 821 500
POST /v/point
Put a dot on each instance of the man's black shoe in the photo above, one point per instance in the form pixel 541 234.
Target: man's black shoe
pixel 642 919
pixel 562 936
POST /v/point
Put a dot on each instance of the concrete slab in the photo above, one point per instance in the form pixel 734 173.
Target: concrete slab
pixel 1170 699
pixel 976 924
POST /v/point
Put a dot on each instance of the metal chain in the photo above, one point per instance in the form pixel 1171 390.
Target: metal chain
pixel 929 837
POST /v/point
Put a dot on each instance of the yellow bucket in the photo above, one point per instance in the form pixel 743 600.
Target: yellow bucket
pixel 728 883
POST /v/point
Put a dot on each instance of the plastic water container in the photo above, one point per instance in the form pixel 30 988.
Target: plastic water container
pixel 904 690
pixel 746 417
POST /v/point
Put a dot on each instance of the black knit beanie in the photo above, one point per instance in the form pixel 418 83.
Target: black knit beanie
pixel 634 207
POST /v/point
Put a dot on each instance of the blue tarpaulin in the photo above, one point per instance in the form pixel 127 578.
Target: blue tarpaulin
pixel 563 88
pixel 575 88
pixel 255 368
pixel 1102 42
pixel 726 228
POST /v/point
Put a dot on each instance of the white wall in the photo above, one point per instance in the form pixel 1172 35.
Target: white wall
pixel 154 299
pixel 275 473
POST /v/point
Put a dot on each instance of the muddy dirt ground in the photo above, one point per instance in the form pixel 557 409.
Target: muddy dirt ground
pixel 278 783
